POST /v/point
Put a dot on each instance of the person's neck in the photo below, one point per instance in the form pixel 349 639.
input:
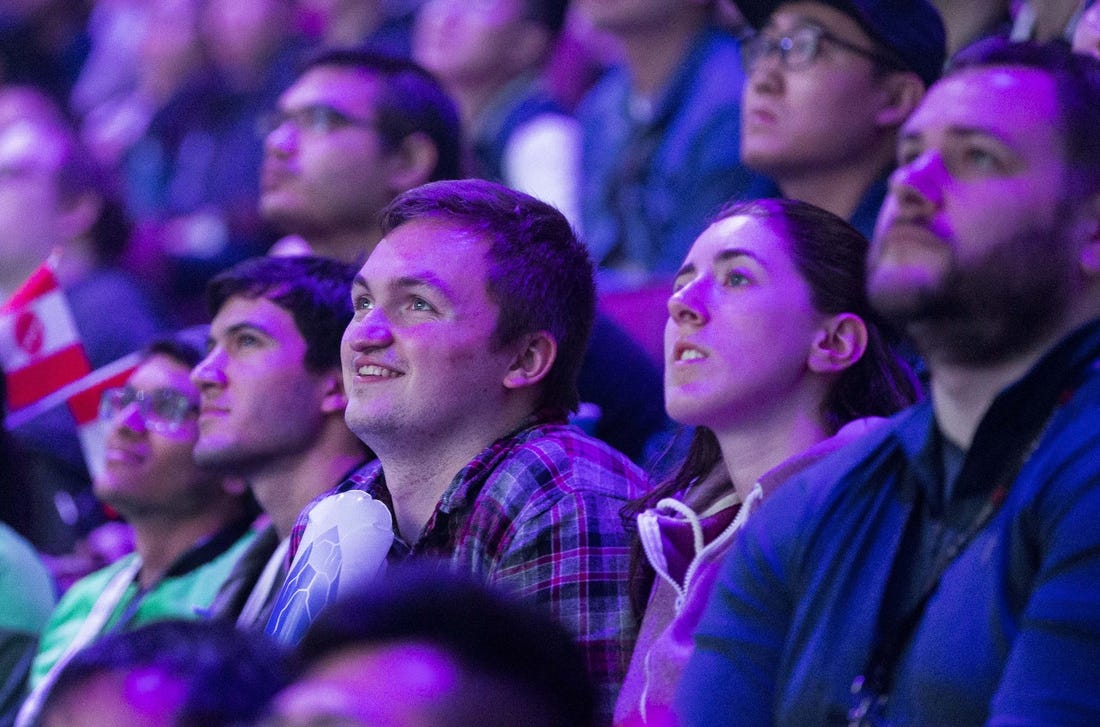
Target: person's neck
pixel 472 100
pixel 654 57
pixel 160 540
pixel 962 393
pixel 284 486
pixel 751 449
pixel 356 22
pixel 838 189
pixel 417 476
pixel 349 246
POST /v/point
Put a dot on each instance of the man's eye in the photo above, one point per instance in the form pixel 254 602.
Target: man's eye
pixel 419 304
pixel 321 119
pixel 981 158
pixel 363 303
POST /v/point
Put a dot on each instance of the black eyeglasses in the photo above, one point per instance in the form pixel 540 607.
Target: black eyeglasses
pixel 162 410
pixel 317 119
pixel 800 47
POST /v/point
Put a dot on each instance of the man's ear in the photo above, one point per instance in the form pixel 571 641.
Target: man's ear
pixel 333 398
pixel 529 45
pixel 839 343
pixel 902 92
pixel 533 361
pixel 412 163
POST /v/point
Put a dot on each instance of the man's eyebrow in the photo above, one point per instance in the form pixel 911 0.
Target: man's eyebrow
pixel 245 326
pixel 959 131
pixel 425 279
pixel 967 132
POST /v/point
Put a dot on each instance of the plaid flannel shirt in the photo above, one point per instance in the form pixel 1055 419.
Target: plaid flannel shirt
pixel 537 514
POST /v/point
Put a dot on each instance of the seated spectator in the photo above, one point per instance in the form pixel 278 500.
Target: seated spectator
pixel 167 674
pixel 27 593
pixel 491 58
pixel 328 174
pixel 1044 20
pixel 43 43
pixel 353 131
pixel 460 364
pixel 660 151
pixel 272 410
pixel 942 570
pixel 436 650
pixel 968 21
pixel 55 199
pixel 773 355
pixel 189 524
pixel 383 26
pixel 1086 35
pixel 829 86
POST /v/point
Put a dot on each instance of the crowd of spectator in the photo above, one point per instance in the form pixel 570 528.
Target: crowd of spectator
pixel 397 447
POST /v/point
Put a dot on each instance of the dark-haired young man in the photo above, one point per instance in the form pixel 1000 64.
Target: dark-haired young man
pixel 190 524
pixel 943 570
pixel 272 404
pixel 471 320
pixel 829 84
pixel 491 57
pixel 352 132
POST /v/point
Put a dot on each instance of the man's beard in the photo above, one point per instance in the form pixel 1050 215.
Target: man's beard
pixel 994 308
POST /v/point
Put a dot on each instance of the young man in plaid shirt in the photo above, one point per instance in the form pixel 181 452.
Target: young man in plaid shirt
pixel 460 365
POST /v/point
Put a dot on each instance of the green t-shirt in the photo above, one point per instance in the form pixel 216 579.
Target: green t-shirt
pixel 185 596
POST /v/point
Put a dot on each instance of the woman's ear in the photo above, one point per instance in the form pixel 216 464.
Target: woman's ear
pixel 533 361
pixel 839 343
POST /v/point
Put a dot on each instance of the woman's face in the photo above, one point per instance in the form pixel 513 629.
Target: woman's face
pixel 740 329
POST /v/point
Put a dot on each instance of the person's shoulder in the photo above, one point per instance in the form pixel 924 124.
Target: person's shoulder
pixel 77 601
pixel 26 588
pixel 717 72
pixel 607 94
pixel 559 459
pixel 845 471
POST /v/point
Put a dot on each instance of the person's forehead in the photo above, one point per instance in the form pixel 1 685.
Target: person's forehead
pixel 345 88
pixel 160 370
pixel 789 16
pixel 257 312
pixel 1010 102
pixel 436 243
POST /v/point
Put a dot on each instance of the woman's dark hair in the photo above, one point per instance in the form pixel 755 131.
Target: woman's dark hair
pixel 830 255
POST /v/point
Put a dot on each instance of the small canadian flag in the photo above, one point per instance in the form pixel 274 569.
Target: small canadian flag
pixel 45 365
pixel 40 347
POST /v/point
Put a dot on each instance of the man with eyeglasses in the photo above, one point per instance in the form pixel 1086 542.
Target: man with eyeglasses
pixel 943 569
pixel 829 84
pixel 352 132
pixel 189 524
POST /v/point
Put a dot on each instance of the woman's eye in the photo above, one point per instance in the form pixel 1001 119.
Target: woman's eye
pixel 736 278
